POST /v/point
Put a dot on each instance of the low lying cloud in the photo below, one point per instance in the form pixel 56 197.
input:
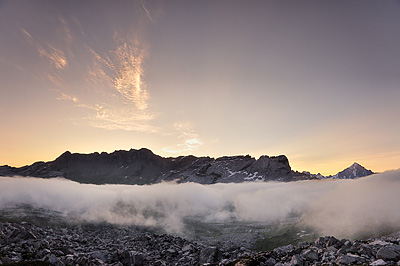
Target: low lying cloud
pixel 367 205
pixel 341 207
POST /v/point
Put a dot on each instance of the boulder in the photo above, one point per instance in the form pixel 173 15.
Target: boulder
pixel 284 250
pixel 386 253
pixel 348 259
pixel 297 260
pixel 210 255
pixel 379 262
pixel 310 255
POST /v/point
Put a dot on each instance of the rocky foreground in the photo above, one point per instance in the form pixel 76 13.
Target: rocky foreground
pixel 103 245
pixel 331 251
pixel 106 245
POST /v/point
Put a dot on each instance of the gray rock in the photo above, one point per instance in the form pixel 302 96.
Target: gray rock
pixel 171 251
pixel 303 245
pixel 284 250
pixel 187 247
pixel 270 262
pixel 388 253
pixel 349 259
pixel 98 255
pixel 210 255
pixel 132 258
pixel 53 260
pixel 69 259
pixel 366 250
pixel 342 251
pixel 379 262
pixel 328 257
pixel 310 255
pixel 331 241
pixel 321 241
pixel 98 262
pixel 296 260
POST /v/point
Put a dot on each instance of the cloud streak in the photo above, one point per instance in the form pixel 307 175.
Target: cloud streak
pixel 56 57
pixel 146 11
pixel 119 75
pixel 123 68
pixel 343 207
pixel 110 83
pixel 189 140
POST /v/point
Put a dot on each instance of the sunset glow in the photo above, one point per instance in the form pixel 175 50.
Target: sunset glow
pixel 316 81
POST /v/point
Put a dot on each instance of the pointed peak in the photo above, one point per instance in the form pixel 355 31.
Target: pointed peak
pixel 354 171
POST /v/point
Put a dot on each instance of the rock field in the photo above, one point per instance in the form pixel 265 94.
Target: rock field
pixel 109 245
pixel 103 245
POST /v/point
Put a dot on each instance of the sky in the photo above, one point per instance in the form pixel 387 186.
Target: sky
pixel 317 81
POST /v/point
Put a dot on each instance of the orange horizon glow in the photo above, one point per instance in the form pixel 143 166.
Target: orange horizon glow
pixel 319 85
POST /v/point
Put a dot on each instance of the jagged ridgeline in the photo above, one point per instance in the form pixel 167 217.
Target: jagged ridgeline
pixel 144 167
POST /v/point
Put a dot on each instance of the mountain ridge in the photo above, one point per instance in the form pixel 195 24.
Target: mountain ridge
pixel 144 167
pixel 141 167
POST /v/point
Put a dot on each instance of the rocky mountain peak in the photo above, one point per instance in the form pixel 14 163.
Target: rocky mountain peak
pixel 355 165
pixel 354 171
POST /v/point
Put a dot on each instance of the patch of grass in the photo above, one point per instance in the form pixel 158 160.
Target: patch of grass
pixel 198 228
pixel 282 235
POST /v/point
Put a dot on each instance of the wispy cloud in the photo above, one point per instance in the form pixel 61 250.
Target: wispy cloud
pixel 120 73
pixel 146 11
pixel 114 92
pixel 66 31
pixel 64 96
pixel 56 57
pixel 110 118
pixel 127 75
pixel 107 79
pixel 188 139
pixel 26 33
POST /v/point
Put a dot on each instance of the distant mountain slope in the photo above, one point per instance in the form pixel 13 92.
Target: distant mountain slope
pixel 144 167
pixel 354 171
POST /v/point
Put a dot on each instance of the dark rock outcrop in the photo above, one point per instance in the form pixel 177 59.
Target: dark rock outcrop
pixel 354 171
pixel 144 167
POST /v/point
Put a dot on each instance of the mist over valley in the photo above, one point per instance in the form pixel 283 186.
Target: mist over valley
pixel 344 208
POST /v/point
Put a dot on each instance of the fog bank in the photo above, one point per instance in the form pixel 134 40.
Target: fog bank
pixel 339 207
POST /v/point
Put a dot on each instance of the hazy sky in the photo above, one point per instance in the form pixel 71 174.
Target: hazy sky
pixel 318 81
